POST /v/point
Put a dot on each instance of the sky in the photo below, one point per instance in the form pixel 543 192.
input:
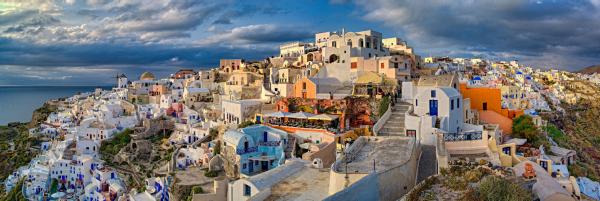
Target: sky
pixel 88 42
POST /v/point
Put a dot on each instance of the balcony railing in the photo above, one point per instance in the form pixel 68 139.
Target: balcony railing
pixel 249 150
pixel 269 143
pixel 465 136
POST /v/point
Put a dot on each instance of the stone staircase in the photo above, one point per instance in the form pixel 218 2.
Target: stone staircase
pixel 394 126
pixel 289 150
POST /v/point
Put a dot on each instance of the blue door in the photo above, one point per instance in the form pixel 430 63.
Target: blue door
pixel 251 168
pixel 265 136
pixel 506 150
pixel 433 107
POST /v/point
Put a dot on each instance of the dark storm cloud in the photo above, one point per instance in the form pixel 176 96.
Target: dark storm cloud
pixel 29 54
pixel 247 10
pixel 263 34
pixel 525 29
pixel 93 63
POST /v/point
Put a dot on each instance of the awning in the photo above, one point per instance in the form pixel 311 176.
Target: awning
pixel 325 117
pixel 279 114
pixel 300 115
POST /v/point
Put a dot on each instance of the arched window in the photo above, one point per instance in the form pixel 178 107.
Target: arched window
pixel 349 43
pixel 333 58
pixel 333 44
pixel 360 42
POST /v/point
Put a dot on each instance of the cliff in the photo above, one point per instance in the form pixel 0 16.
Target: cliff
pixel 41 114
pixel 590 69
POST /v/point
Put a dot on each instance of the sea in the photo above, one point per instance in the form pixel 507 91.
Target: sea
pixel 17 103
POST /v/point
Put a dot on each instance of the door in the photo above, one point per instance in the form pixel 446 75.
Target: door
pixel 265 165
pixel 484 106
pixel 251 168
pixel 433 107
pixel 506 150
pixel 265 136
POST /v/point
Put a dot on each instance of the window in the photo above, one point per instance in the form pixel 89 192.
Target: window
pixel 452 104
pixel 247 190
pixel 353 65
pixel 333 44
pixel 382 65
pixel 411 132
pixel 458 103
pixel 255 162
pixel 417 102
pixel 304 85
pixel 433 93
pixel 395 65
pixel 405 65
pixel 244 166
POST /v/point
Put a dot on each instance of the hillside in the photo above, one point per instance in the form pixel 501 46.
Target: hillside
pixel 590 69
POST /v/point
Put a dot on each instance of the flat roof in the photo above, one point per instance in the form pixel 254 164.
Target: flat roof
pixel 385 152
pixel 307 184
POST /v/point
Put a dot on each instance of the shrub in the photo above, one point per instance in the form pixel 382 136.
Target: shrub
pixel 245 124
pixel 197 190
pixel 213 132
pixel 472 176
pixel 383 105
pixel 455 183
pixel 211 173
pixel 217 149
pixel 494 188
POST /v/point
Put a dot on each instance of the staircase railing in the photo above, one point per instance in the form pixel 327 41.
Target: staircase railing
pixel 384 118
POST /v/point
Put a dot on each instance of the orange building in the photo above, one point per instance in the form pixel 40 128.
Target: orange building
pixel 304 88
pixel 490 99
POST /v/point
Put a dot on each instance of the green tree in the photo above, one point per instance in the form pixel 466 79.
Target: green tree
pixel 245 124
pixel 523 127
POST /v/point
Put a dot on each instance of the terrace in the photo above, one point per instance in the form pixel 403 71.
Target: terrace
pixel 303 120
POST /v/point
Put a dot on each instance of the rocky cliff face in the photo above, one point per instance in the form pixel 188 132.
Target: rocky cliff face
pixel 590 69
pixel 41 114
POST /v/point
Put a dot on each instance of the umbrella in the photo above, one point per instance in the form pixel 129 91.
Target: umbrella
pixel 325 117
pixel 300 115
pixel 278 114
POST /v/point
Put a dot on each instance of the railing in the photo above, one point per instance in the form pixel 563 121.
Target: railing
pixel 249 150
pixel 466 136
pixel 269 143
pixel 379 124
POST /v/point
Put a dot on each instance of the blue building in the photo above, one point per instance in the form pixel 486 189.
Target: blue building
pixel 255 149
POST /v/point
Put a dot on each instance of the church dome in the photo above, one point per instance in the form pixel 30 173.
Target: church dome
pixel 147 76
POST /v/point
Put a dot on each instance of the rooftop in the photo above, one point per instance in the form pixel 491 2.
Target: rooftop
pixel 384 152
pixel 306 184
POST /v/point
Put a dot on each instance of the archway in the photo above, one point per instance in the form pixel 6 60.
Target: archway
pixel 333 58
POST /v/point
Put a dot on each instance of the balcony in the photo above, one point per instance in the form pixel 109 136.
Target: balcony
pixel 465 136
pixel 245 151
pixel 270 143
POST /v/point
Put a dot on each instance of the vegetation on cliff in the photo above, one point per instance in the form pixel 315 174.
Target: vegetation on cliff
pixel 111 147
pixel 580 131
pixel 471 182
pixel 14 194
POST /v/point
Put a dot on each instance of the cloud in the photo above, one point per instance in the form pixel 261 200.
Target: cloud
pixel 248 10
pixel 264 34
pixel 525 29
